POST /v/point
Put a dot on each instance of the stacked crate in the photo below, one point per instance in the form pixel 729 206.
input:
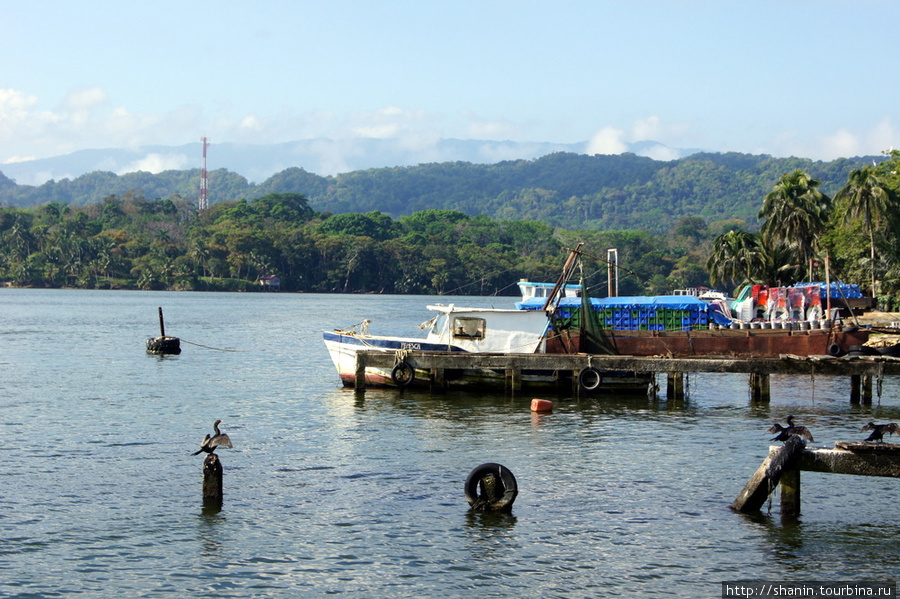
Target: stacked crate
pixel 646 318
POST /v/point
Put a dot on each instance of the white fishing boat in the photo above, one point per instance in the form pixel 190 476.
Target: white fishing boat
pixel 460 329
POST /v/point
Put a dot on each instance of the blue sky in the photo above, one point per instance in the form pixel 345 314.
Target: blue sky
pixel 806 78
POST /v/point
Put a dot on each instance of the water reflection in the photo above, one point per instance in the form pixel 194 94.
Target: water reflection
pixel 486 522
pixel 489 536
pixel 209 530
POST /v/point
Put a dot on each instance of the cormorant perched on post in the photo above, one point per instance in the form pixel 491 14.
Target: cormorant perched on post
pixel 878 430
pixel 209 444
pixel 785 432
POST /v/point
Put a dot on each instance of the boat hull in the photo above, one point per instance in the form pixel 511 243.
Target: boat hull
pixel 343 349
pixel 745 343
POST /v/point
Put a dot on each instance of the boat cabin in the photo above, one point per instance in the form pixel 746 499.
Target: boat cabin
pixel 532 290
pixel 489 330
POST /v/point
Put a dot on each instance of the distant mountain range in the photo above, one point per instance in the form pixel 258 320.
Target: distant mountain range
pixel 320 156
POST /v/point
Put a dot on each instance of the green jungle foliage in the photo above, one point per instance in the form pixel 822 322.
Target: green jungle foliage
pixel 127 240
pixel 572 191
pixel 132 242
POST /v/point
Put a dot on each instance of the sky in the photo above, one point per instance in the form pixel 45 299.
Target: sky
pixel 814 79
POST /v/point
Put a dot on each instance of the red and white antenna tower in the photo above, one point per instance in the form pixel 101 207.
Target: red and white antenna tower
pixel 204 189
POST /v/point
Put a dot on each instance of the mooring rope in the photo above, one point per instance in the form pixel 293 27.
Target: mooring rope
pixel 208 347
pixel 400 356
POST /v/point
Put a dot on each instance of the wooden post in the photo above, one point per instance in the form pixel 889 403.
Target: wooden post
pixel 854 388
pixel 212 481
pixel 162 324
pixel 514 379
pixel 359 381
pixel 675 386
pixel 759 387
pixel 867 388
pixel 438 382
pixel 766 478
pixel 790 491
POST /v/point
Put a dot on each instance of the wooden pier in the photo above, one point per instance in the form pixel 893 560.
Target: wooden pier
pixel 784 463
pixel 859 369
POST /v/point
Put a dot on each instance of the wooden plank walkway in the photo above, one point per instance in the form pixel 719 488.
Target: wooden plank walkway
pixel 815 365
pixel 860 369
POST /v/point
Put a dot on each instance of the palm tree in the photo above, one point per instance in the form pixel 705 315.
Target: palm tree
pixel 796 213
pixel 776 263
pixel 734 257
pixel 868 198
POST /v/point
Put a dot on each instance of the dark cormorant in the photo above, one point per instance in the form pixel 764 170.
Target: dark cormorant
pixel 209 444
pixel 878 430
pixel 785 432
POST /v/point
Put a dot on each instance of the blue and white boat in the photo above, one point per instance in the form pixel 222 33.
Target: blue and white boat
pixel 452 329
pixel 478 330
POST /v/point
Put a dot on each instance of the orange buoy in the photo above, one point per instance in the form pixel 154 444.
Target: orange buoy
pixel 541 405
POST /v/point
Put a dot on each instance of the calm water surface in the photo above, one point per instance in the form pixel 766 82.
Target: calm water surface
pixel 326 493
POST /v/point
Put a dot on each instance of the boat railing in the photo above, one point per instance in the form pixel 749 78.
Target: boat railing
pixel 360 328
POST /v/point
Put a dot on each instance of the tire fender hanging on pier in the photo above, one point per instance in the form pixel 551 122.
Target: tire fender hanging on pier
pixel 403 374
pixel 590 378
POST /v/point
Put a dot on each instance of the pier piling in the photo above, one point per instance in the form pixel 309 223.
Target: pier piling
pixel 860 371
pixel 212 481
pixel 759 387
pixel 767 476
pixel 784 464
pixel 861 388
pixel 675 386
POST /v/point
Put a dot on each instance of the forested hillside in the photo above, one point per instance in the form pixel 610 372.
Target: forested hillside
pixel 572 191
pixel 128 241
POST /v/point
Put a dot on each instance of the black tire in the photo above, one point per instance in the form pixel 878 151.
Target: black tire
pixel 403 374
pixel 164 345
pixel 835 350
pixel 590 379
pixel 508 482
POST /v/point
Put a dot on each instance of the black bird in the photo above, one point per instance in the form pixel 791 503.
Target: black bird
pixel 878 430
pixel 209 444
pixel 785 432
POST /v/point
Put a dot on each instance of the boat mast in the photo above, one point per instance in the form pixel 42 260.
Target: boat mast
pixel 564 276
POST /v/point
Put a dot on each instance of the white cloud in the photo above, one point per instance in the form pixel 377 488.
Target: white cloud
pixel 20 119
pixel 378 131
pixel 478 127
pixel 646 129
pixel 659 152
pixel 14 102
pixel 611 140
pixel 608 140
pixel 883 135
pixel 841 143
pixel 386 123
pixel 86 99
pixel 15 159
pixel 157 163
pixel 251 123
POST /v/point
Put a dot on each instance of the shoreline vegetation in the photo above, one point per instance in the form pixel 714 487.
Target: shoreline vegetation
pixel 279 241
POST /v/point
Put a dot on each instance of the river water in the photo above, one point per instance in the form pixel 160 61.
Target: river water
pixel 328 493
